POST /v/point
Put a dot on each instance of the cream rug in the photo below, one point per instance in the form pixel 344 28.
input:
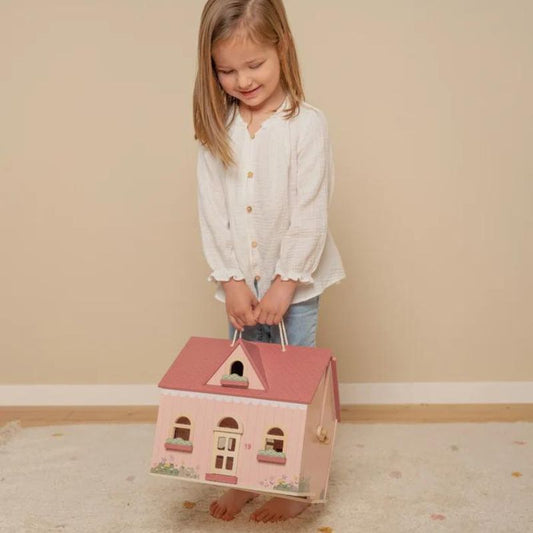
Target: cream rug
pixel 385 478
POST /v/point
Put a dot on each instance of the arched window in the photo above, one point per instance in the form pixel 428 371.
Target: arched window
pixel 182 428
pixel 275 440
pixel 228 422
pixel 235 376
pixel 237 368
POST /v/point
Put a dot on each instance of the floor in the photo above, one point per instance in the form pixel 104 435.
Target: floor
pixel 385 478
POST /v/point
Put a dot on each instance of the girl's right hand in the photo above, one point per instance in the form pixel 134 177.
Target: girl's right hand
pixel 240 303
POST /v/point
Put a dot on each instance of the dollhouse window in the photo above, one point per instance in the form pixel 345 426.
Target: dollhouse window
pixel 182 428
pixel 275 440
pixel 180 436
pixel 237 368
pixel 225 443
pixel 273 452
pixel 236 377
pixel 228 423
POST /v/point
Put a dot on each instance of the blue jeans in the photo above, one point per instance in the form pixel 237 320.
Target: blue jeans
pixel 300 322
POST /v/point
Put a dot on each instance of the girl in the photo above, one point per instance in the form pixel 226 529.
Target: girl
pixel 265 175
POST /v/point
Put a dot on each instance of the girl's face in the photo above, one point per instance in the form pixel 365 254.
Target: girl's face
pixel 249 72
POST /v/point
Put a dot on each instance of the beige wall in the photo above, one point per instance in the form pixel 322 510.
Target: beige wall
pixel 430 111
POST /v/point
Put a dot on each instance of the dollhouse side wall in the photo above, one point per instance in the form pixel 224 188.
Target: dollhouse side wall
pixel 316 458
pixel 255 418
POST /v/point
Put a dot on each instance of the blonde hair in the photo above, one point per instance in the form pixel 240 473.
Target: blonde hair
pixel 263 21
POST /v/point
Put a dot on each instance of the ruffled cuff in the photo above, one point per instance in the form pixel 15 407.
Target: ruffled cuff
pixel 225 275
pixel 302 278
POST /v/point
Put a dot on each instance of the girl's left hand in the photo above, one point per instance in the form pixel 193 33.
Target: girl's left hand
pixel 275 302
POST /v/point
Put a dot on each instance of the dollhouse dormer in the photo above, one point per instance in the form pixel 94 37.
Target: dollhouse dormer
pixel 242 369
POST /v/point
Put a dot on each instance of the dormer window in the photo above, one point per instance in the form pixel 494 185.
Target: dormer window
pixel 237 368
pixel 241 368
pixel 236 377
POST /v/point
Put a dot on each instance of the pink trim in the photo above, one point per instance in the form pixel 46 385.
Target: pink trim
pixel 222 478
pixel 236 384
pixel 336 388
pixel 178 447
pixel 270 459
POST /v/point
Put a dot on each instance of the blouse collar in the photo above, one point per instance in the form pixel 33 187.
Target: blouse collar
pixel 285 104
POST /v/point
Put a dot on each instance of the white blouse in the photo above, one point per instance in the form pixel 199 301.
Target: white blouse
pixel 267 215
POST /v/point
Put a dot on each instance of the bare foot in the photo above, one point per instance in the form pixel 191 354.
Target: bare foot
pixel 278 509
pixel 230 503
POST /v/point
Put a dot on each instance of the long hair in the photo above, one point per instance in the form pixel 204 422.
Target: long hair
pixel 264 22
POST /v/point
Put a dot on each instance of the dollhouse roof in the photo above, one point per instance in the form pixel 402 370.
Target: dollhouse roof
pixel 290 376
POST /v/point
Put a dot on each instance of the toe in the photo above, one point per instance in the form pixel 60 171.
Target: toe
pixel 260 515
pixel 219 511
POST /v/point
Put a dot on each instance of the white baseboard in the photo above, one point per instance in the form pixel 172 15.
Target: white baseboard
pixel 437 393
pixel 350 394
pixel 79 395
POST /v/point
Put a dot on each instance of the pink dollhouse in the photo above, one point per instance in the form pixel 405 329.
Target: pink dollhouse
pixel 249 415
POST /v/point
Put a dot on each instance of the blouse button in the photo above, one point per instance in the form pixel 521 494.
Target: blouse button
pixel 250 174
pixel 249 209
pixel 257 278
pixel 254 244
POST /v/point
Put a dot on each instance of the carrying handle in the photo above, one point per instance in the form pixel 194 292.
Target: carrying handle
pixel 282 335
pixel 237 332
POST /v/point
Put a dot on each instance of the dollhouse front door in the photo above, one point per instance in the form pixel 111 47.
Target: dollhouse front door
pixel 226 440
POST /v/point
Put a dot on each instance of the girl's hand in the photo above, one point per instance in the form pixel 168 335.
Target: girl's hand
pixel 240 304
pixel 275 303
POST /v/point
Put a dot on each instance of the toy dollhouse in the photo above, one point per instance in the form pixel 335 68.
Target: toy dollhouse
pixel 249 415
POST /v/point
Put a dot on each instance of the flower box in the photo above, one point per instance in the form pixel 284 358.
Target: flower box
pixel 270 456
pixel 178 445
pixel 234 380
